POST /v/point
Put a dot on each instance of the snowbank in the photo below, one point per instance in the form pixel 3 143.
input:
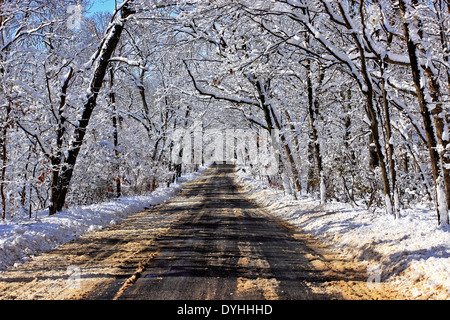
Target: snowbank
pixel 412 252
pixel 21 238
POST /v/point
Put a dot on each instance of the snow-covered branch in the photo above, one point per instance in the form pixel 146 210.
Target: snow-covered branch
pixel 218 96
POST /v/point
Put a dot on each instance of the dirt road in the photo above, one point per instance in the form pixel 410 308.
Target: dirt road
pixel 209 242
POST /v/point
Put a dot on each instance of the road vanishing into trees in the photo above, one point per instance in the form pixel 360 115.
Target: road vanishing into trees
pixel 209 242
pixel 224 247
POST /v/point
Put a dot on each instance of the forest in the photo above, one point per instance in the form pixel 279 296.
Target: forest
pixel 357 92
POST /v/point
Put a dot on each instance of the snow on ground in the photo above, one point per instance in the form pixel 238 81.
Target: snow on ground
pixel 21 238
pixel 411 252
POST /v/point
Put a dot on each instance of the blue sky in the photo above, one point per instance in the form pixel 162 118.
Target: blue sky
pixel 104 5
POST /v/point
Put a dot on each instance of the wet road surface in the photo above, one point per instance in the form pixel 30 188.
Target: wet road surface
pixel 225 246
pixel 210 242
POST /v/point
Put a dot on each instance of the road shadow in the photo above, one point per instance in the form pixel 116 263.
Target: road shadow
pixel 227 247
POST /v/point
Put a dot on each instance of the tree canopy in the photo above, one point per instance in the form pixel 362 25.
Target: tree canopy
pixel 355 92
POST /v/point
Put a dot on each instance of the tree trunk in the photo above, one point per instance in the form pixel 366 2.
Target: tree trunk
pixel 390 145
pixel 439 113
pixel 367 90
pixel 312 112
pixel 57 158
pixel 436 165
pixel 141 90
pixel 295 137
pixel 3 170
pixel 114 119
pixel 376 141
pixel 179 162
pixel 273 122
pixel 3 151
pixel 65 172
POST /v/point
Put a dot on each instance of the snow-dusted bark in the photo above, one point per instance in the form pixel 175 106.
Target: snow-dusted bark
pixel 313 118
pixel 100 65
pixel 432 143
